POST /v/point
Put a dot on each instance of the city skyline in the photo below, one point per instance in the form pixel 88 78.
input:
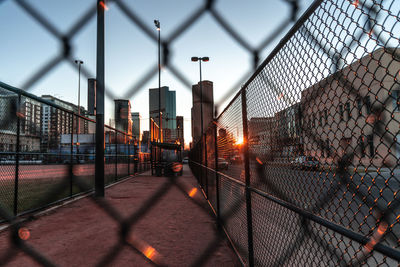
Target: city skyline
pixel 128 60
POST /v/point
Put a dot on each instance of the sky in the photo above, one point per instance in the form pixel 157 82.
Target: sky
pixel 130 53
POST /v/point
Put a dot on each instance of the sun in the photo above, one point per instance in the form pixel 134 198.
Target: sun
pixel 239 141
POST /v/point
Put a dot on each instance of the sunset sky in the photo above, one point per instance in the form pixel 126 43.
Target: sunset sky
pixel 130 53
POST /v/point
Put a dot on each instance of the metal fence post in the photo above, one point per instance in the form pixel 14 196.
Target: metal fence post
pixel 17 151
pixel 99 171
pixel 216 171
pixel 135 158
pixel 116 155
pixel 129 157
pixel 247 179
pixel 201 161
pixel 71 158
pixel 205 164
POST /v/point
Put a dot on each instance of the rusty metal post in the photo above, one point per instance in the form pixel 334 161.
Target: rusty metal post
pixel 99 169
pixel 247 180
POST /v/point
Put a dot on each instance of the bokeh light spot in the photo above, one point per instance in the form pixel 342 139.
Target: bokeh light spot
pixel 24 233
pixel 193 192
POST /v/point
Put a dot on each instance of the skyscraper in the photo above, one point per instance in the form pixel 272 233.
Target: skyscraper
pixel 168 107
pixel 56 121
pixel 122 115
pixel 136 124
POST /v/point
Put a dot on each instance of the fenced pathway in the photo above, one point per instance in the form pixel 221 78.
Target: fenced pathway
pixel 175 231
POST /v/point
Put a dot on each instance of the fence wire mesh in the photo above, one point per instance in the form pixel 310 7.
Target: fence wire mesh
pixel 321 119
pixel 115 161
pixel 321 134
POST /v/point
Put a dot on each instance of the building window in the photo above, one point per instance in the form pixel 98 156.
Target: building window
pixel 396 100
pixel 341 112
pixel 371 145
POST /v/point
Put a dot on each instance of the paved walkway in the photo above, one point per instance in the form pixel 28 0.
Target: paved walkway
pixel 170 224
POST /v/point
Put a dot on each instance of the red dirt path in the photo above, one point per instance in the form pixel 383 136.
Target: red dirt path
pixel 82 233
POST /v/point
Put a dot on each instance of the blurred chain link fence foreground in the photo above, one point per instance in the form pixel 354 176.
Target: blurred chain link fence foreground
pixel 300 168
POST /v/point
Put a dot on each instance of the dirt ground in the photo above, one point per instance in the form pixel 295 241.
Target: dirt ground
pixel 175 230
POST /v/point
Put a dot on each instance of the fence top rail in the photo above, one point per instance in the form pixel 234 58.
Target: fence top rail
pixel 49 103
pixel 280 45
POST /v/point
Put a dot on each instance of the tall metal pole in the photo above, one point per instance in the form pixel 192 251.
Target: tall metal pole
pixel 99 171
pixel 247 179
pixel 159 80
pixel 159 86
pixel 158 26
pixel 79 86
pixel 79 62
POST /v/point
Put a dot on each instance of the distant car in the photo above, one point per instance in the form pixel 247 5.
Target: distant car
pixel 305 162
pixel 236 160
pixel 185 160
pixel 222 164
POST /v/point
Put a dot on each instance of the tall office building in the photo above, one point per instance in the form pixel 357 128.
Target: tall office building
pixel 168 108
pixel 122 115
pixel 208 108
pixel 92 86
pixel 29 114
pixel 136 124
pixel 56 122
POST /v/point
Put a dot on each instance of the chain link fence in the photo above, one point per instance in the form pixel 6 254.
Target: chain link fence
pixel 73 169
pixel 303 164
pixel 48 151
pixel 300 168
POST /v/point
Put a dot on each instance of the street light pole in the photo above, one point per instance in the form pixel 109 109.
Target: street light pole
pixel 158 26
pixel 204 143
pixel 79 62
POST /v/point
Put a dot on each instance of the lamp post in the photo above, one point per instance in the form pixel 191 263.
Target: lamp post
pixel 79 62
pixel 204 145
pixel 158 26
